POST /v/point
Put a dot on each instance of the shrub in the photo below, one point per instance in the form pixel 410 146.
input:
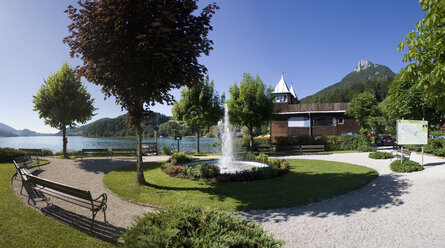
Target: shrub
pixel 301 140
pixel 352 142
pixel 8 154
pixel 250 156
pixel 262 158
pixel 333 143
pixel 406 166
pixel 366 148
pixel 180 158
pixel 166 150
pixel 380 155
pixel 193 226
pixel 75 153
pixel 47 152
pixel 207 171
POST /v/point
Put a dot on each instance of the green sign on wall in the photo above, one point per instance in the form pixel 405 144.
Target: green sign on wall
pixel 412 132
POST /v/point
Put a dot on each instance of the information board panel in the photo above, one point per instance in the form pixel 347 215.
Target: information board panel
pixel 412 132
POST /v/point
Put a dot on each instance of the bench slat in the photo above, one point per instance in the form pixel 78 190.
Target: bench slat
pixel 60 187
pixel 69 198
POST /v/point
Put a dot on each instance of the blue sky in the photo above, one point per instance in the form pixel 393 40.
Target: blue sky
pixel 315 44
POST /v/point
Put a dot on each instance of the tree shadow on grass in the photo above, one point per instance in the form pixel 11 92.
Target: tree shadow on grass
pixel 101 230
pixel 382 193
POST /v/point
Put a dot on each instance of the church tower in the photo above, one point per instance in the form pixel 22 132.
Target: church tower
pixel 282 94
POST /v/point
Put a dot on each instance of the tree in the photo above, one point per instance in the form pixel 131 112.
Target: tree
pixel 139 50
pixel 199 107
pixel 406 100
pixel 426 52
pixel 62 101
pixel 363 108
pixel 250 104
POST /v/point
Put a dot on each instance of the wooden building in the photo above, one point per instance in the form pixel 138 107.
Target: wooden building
pixel 313 119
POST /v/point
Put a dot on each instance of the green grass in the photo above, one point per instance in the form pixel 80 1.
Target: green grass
pixel 21 226
pixel 308 180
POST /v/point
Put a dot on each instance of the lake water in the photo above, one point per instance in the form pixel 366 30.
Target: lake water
pixel 54 143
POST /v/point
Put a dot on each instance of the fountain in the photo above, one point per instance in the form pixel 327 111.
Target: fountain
pixel 226 163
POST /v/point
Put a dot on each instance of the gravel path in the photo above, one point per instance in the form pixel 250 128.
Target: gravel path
pixel 394 210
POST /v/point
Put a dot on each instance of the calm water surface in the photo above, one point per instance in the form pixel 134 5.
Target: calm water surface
pixel 54 143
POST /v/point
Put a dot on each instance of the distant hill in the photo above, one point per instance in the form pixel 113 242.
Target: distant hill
pixel 7 131
pixel 115 127
pixel 366 77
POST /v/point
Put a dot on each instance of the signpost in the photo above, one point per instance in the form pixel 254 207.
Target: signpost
pixel 412 132
pixel 178 138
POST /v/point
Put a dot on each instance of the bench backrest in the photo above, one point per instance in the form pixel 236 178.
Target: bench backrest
pixel 406 152
pixel 84 194
pixel 31 151
pixel 95 150
pixel 22 159
pixel 312 146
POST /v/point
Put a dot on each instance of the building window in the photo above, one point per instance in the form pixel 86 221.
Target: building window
pixel 298 122
pixel 280 98
pixel 341 120
pixel 323 121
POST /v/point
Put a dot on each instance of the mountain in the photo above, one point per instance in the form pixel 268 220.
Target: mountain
pixel 365 77
pixel 108 127
pixel 7 131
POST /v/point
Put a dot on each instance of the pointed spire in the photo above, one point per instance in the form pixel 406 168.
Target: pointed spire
pixel 292 91
pixel 281 86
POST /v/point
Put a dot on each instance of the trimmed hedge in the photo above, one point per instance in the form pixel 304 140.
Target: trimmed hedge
pixel 380 155
pixel 434 146
pixel 8 154
pixel 193 226
pixel 406 166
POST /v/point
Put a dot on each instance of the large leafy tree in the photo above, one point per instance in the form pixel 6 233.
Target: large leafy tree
pixel 250 104
pixel 62 101
pixel 363 108
pixel 406 100
pixel 139 50
pixel 426 52
pixel 199 107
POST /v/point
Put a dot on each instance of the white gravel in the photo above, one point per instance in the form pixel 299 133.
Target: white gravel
pixel 394 210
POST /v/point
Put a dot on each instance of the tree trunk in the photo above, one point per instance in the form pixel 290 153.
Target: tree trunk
pixel 251 136
pixel 197 139
pixel 139 172
pixel 65 141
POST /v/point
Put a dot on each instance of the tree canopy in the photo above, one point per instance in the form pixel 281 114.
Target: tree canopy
pixel 62 101
pixel 426 52
pixel 363 108
pixel 250 104
pixel 139 50
pixel 199 107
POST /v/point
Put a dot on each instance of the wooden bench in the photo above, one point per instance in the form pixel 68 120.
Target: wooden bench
pixel 311 148
pixel 398 153
pixel 150 148
pixel 126 151
pixel 65 192
pixel 26 161
pixel 95 151
pixel 38 153
pixel 287 149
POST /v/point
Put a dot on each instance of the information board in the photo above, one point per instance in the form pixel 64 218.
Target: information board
pixel 412 132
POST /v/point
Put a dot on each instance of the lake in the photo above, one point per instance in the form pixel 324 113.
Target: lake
pixel 54 143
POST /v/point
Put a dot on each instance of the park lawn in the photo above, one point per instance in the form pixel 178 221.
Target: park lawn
pixel 21 226
pixel 308 180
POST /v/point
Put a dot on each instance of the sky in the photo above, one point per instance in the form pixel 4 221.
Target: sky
pixel 315 44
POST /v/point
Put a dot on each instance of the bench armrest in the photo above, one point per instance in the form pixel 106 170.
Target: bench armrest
pixel 103 201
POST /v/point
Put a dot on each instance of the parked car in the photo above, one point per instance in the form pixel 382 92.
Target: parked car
pixel 386 141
